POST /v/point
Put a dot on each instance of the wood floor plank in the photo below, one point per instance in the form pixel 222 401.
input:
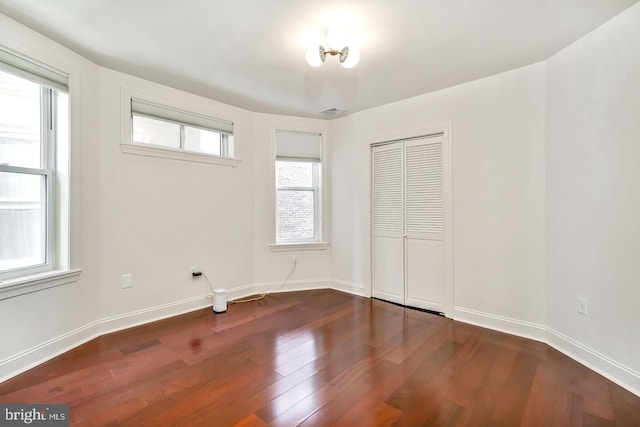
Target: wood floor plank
pixel 626 406
pixel 321 358
pixel 423 393
pixel 540 397
pixel 300 411
pixel 479 359
pixel 414 334
pixel 250 421
pixel 384 415
pixel 319 380
pixel 344 398
pixel 512 401
pixel 392 380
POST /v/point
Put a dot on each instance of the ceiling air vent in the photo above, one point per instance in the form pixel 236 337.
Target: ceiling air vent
pixel 333 112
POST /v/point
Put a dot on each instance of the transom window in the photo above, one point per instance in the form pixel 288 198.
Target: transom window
pixel 173 129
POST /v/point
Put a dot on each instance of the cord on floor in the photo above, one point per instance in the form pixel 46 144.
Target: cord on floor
pixel 258 298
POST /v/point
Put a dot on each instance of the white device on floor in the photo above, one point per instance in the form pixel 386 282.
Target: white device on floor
pixel 219 300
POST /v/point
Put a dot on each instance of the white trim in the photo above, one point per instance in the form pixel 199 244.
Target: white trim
pixel 616 372
pixel 447 193
pixel 25 360
pixel 39 354
pixel 404 134
pixel 244 291
pixel 240 292
pixel 168 153
pixel 152 314
pixel 36 282
pixel 194 106
pixel 508 325
pixel 349 287
pixel 311 246
pixel 292 285
pixel 323 225
pixel 445 130
pixel 30 358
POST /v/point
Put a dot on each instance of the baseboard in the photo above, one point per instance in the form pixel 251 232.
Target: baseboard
pixel 623 376
pixel 349 287
pixel 499 323
pixel 152 314
pixel 616 372
pixel 292 285
pixel 23 361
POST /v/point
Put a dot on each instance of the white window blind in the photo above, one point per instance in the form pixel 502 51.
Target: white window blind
pixel 169 130
pixel 160 112
pixel 299 146
pixel 29 69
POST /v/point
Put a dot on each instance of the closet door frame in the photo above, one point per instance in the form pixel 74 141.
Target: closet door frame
pixel 447 156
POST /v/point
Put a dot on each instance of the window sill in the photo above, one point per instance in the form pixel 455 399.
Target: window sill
pixel 36 282
pixel 312 246
pixel 178 155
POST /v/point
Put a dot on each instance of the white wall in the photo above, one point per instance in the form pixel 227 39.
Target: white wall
pixel 593 197
pixel 28 322
pixel 161 216
pixel 271 268
pixel 498 193
pixel 150 217
pixel 546 203
pixel 545 208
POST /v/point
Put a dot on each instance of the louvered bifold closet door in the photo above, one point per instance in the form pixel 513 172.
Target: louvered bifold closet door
pixel 388 222
pixel 424 220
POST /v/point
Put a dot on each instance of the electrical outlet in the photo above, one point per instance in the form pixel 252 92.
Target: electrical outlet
pixel 194 269
pixel 295 259
pixel 582 306
pixel 127 281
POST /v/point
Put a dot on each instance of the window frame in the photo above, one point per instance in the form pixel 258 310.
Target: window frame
pixel 316 189
pixel 46 170
pixel 57 160
pixel 195 108
pixel 320 199
pixel 49 223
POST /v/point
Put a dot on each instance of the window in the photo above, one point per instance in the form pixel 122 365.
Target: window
pixel 33 118
pixel 171 129
pixel 298 196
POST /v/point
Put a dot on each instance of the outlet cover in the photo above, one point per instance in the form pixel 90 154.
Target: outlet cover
pixel 127 281
pixel 582 306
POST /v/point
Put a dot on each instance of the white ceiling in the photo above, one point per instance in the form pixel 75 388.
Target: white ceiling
pixel 250 53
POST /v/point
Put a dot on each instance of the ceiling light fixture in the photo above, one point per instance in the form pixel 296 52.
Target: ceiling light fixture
pixel 349 56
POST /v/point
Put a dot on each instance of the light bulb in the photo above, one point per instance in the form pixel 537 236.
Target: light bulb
pixel 353 58
pixel 313 56
pixel 336 38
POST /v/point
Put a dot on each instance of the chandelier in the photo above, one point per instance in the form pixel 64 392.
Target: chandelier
pixel 349 56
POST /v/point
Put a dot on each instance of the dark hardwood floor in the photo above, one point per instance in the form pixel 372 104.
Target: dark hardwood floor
pixel 321 358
